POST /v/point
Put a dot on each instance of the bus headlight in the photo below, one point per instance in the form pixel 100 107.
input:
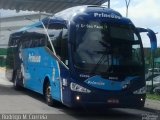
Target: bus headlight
pixel 78 88
pixel 140 91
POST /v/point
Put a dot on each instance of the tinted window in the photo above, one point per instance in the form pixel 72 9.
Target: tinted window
pixel 33 40
pixel 59 34
pixel 105 44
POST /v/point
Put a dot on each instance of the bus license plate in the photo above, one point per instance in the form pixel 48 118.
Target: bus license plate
pixel 113 101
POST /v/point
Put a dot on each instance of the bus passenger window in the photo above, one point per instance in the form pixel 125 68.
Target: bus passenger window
pixel 42 42
pixel 35 43
pixel 24 44
pixel 58 37
pixel 30 45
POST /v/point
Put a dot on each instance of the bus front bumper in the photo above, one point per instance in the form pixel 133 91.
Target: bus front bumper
pixel 107 100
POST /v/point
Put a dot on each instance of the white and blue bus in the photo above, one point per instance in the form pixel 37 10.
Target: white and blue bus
pixel 82 56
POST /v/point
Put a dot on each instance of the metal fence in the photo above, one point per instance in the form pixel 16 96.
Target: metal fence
pixel 3 54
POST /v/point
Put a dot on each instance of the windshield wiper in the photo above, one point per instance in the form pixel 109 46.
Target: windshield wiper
pixel 104 53
pixel 99 62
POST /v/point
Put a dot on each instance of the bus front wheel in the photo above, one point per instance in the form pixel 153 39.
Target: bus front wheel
pixel 48 96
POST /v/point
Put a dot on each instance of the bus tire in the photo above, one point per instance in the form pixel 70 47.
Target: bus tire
pixel 48 96
pixel 16 81
pixel 13 76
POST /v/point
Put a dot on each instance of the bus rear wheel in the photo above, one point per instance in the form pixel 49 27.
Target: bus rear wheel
pixel 48 96
pixel 16 80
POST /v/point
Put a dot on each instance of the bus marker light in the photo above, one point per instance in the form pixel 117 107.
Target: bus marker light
pixel 142 99
pixel 64 82
pixel 77 98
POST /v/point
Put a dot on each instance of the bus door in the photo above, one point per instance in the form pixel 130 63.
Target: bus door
pixel 59 41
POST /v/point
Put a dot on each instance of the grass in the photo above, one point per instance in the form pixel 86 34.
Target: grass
pixel 153 96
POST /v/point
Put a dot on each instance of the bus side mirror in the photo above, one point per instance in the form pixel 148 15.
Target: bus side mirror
pixel 152 37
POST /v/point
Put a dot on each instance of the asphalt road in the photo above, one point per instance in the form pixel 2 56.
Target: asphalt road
pixel 26 102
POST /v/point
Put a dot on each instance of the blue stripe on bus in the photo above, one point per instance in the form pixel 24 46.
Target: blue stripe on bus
pixel 106 84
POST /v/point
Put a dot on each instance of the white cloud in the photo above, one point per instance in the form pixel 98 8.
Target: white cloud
pixel 143 13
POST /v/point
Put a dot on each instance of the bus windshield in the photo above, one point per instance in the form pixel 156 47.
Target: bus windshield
pixel 99 45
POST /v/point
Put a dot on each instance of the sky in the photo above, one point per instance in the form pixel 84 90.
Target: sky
pixel 143 13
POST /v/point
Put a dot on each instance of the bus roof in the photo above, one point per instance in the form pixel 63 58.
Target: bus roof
pixel 68 14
